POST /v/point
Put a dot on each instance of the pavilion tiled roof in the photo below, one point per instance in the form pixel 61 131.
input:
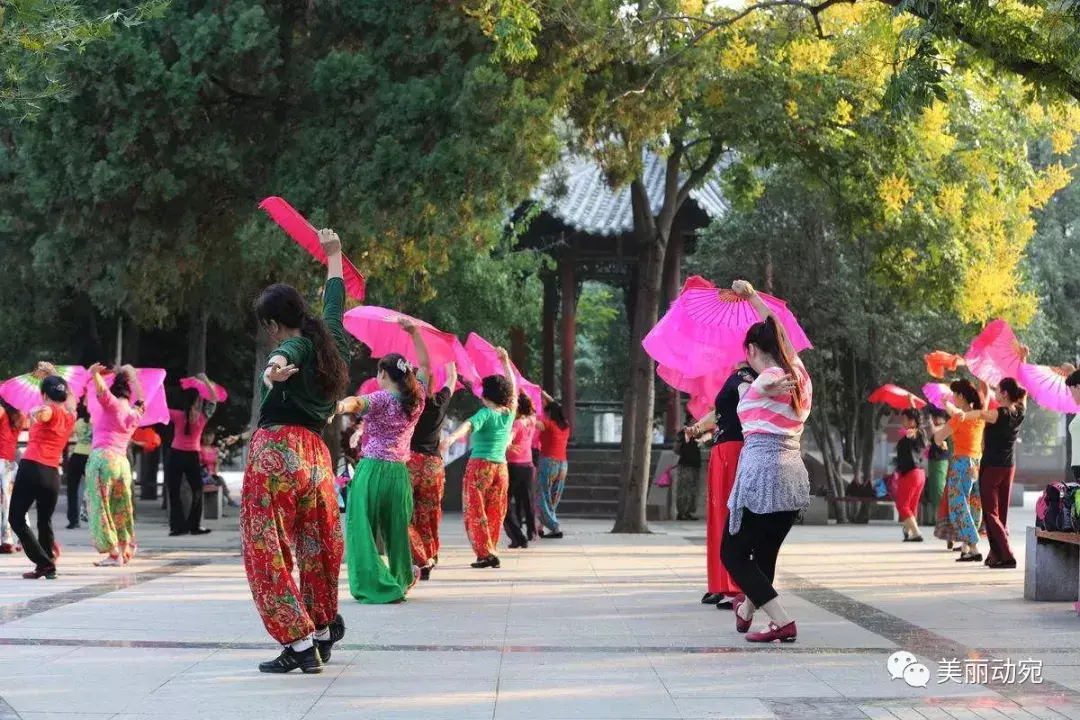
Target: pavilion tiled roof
pixel 577 193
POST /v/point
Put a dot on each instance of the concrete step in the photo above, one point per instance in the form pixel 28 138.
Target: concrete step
pixel 573 493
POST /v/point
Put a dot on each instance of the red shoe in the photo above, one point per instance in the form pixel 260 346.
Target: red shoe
pixel 41 571
pixel 786 634
pixel 7 549
pixel 740 625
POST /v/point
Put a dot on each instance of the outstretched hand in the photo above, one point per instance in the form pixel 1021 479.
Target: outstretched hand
pixel 276 374
pixel 406 324
pixel 96 369
pixel 502 354
pixel 779 385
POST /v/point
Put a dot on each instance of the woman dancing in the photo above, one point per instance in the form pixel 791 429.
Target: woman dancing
pixel 551 475
pixel 723 462
pixel 484 487
pixel 937 466
pixel 38 478
pixel 519 505
pixel 183 463
pixel 380 495
pixel 11 424
pixel 965 427
pixel 108 471
pixel 288 506
pixel 75 468
pixel 428 476
pixel 999 468
pixel 910 465
pixel 771 481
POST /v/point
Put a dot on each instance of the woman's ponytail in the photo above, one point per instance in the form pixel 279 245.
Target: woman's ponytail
pixel 767 336
pixel 404 376
pixel 331 372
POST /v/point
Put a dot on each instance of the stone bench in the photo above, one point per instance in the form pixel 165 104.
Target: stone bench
pixel 818 511
pixel 1052 568
pixel 213 502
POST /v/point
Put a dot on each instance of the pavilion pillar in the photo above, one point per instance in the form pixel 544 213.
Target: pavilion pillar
pixel 547 339
pixel 569 336
pixel 673 280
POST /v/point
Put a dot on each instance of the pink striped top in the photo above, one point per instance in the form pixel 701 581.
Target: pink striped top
pixel 774 414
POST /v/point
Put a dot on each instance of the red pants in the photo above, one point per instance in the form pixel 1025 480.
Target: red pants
pixel 909 488
pixel 428 478
pixel 483 503
pixel 722 465
pixel 995 487
pixel 289 502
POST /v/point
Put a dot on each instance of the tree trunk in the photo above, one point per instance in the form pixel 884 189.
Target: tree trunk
pixel 637 424
pixel 197 327
pixel 262 350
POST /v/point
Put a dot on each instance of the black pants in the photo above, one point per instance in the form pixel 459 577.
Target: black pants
pixel 750 554
pixel 74 472
pixel 35 483
pixel 519 506
pixel 184 465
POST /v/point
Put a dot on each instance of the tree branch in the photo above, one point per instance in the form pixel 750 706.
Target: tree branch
pixel 698 174
pixel 1031 69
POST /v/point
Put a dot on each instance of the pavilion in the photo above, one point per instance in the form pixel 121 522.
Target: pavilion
pixel 588 228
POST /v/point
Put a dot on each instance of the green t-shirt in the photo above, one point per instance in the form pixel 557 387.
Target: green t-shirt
pixel 491 434
pixel 297 401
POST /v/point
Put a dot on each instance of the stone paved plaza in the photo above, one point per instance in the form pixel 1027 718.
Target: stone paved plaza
pixel 593 626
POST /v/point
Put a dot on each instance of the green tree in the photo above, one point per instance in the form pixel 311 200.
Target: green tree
pixel 393 126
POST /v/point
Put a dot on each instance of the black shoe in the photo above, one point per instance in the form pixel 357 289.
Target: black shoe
pixel 1003 565
pixel 557 535
pixel 725 602
pixel 425 572
pixel 177 533
pixel 711 598
pixel 308 661
pixel 969 557
pixel 73 526
pixel 201 531
pixel 691 518
pixel 337 631
pixel 491 561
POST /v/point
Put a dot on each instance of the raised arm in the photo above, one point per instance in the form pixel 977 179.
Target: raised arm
pixel 744 289
pixel 451 376
pixel 136 386
pixel 334 295
pixel 331 245
pixel 423 360
pixel 508 369
pixel 95 371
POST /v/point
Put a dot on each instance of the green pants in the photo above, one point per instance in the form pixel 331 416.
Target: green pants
pixel 380 503
pixel 936 473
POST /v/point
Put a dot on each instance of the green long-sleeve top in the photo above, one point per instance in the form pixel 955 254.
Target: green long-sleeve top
pixel 297 401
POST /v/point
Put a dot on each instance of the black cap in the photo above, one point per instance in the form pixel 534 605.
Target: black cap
pixel 55 388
